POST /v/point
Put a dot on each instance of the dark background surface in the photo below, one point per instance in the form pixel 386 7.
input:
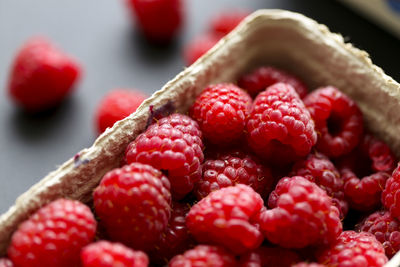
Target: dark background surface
pixel 100 34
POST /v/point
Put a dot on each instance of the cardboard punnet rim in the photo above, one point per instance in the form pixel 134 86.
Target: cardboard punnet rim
pixel 76 178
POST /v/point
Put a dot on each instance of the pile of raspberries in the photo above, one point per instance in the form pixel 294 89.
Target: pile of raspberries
pixel 259 173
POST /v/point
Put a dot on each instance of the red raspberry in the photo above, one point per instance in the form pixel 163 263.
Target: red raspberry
pixel 225 22
pixel 204 255
pixel 41 75
pixel 338 120
pixel 234 168
pixel 319 169
pixel 172 144
pixel 306 264
pixel 224 218
pixel 176 238
pixel 386 230
pixel 391 194
pixel 115 106
pixel 198 47
pixel 373 162
pixel 133 203
pixel 269 257
pixel 4 262
pixel 303 216
pixel 107 254
pixel 354 249
pixel 263 77
pixel 280 128
pixel 54 235
pixel 221 111
pixel 159 20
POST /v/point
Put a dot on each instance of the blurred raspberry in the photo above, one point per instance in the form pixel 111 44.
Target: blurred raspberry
pixel 391 194
pixel 41 75
pixel 263 77
pixel 4 262
pixel 115 106
pixel 269 257
pixel 226 21
pixel 198 47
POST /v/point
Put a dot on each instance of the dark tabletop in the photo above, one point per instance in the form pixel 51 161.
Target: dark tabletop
pixel 100 34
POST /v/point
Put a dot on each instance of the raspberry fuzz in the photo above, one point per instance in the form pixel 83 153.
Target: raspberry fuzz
pixel 221 111
pixel 53 236
pixel 133 203
pixel 224 218
pixel 269 257
pixel 280 128
pixel 172 144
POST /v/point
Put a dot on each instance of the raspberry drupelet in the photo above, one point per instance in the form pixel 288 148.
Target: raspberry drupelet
pixel 172 144
pixel 269 257
pixel 224 217
pixel 365 171
pixel 221 111
pixel 263 77
pixel 391 194
pixel 319 169
pixel 303 215
pixel 53 236
pixel 133 204
pixel 234 167
pixel 386 230
pixel 108 254
pixel 338 121
pixel 204 255
pixel 280 128
pixel 354 249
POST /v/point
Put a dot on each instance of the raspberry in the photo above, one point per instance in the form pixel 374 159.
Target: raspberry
pixel 172 144
pixel 303 216
pixel 198 47
pixel 176 238
pixel 107 254
pixel 269 257
pixel 203 255
pixel 159 20
pixel 386 230
pixel 53 236
pixel 4 262
pixel 224 218
pixel 263 77
pixel 391 194
pixel 319 169
pixel 338 120
pixel 225 22
pixel 306 264
pixel 133 203
pixel 280 128
pixel 221 111
pixel 41 75
pixel 234 168
pixel 354 249
pixel 373 162
pixel 115 106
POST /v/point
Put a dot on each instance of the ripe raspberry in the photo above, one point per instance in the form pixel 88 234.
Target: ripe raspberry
pixel 391 194
pixel 204 255
pixel 172 144
pixel 263 77
pixel 232 168
pixel 354 249
pixel 269 257
pixel 224 218
pixel 159 20
pixel 386 230
pixel 133 203
pixel 176 238
pixel 115 106
pixel 280 128
pixel 306 264
pixel 303 216
pixel 338 120
pixel 319 169
pixel 198 47
pixel 225 22
pixel 41 75
pixel 4 262
pixel 373 162
pixel 107 254
pixel 53 236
